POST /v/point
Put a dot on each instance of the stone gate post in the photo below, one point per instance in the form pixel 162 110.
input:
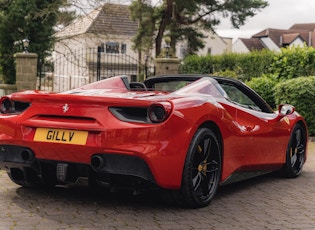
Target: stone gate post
pixel 26 71
pixel 167 66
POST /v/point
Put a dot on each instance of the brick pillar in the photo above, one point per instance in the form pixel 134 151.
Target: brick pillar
pixel 26 71
pixel 167 66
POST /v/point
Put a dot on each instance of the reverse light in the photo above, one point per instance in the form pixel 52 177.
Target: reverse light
pixel 159 112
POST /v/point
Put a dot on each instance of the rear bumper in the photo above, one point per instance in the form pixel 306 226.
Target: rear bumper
pixel 155 153
pixel 12 156
pixel 103 167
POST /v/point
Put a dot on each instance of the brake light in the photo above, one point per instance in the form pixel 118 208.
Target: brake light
pixel 159 112
pixel 154 113
pixel 6 105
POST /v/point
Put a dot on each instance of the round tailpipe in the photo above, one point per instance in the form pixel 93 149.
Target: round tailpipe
pixel 97 162
pixel 27 155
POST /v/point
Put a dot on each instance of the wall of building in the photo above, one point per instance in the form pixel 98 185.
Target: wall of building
pixel 239 47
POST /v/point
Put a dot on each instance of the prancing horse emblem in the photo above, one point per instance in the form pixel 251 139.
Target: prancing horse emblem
pixel 65 108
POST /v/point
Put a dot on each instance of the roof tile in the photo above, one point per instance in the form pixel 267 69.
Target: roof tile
pixel 113 19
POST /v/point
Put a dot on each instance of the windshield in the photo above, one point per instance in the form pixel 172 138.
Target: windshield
pixel 206 86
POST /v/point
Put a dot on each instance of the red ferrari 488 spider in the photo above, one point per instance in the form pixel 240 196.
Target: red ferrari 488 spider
pixel 187 134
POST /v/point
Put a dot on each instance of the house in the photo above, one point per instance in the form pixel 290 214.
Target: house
pixel 214 44
pixel 275 39
pixel 81 47
pixel 99 45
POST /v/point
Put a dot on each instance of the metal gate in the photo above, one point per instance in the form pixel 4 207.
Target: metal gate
pixel 80 67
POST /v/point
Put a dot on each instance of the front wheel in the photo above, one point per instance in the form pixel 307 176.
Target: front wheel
pixel 202 170
pixel 295 155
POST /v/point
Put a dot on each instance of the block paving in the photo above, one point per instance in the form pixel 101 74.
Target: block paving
pixel 266 202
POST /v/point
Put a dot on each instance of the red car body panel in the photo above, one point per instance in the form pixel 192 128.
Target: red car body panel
pixel 250 141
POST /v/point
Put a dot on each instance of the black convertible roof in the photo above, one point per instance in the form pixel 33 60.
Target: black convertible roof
pixel 149 82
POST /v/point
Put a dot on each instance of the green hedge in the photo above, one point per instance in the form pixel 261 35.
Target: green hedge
pixel 245 66
pixel 300 93
pixel 290 63
pixel 294 62
pixel 264 86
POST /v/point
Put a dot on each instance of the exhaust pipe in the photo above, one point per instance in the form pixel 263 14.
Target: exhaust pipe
pixel 27 155
pixel 97 162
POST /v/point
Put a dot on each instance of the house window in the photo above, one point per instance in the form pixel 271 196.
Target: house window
pixel 209 50
pixel 115 47
pixel 123 48
pixel 112 47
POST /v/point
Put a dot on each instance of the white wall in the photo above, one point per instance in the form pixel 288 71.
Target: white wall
pixel 297 42
pixel 213 43
pixel 239 47
pixel 269 44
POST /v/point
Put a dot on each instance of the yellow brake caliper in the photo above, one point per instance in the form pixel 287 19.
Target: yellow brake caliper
pixel 202 167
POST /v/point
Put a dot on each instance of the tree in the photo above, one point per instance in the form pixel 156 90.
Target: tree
pixel 32 19
pixel 183 20
pixel 146 15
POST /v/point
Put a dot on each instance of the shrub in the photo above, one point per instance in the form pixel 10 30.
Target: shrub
pixel 226 73
pixel 197 65
pixel 294 62
pixel 291 62
pixel 264 86
pixel 300 93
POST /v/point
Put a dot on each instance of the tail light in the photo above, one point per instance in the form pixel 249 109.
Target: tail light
pixel 155 113
pixel 6 105
pixel 9 106
pixel 159 112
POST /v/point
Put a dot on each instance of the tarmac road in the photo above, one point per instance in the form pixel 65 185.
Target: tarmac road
pixel 262 203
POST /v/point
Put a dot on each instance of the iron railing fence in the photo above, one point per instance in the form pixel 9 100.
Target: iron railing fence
pixel 83 66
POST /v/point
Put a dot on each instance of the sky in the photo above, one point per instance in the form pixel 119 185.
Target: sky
pixel 280 14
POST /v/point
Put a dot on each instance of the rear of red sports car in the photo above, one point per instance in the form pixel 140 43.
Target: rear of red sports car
pixel 112 136
pixel 106 136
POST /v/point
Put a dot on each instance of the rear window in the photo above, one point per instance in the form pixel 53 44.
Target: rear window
pixel 170 86
pixel 202 86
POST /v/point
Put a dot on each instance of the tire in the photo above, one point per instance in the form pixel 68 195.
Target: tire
pixel 202 170
pixel 295 154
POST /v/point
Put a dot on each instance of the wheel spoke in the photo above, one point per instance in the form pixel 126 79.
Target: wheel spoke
pixel 298 137
pixel 207 148
pixel 293 159
pixel 197 181
pixel 214 167
pixel 204 180
pixel 301 152
pixel 201 164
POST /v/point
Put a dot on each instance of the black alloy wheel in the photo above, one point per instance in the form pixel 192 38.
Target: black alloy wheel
pixel 202 170
pixel 295 155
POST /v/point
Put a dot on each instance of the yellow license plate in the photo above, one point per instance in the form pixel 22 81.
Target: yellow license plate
pixel 74 137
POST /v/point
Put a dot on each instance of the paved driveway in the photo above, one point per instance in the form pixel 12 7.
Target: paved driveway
pixel 261 203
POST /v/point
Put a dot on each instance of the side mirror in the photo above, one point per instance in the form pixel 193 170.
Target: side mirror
pixel 285 109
